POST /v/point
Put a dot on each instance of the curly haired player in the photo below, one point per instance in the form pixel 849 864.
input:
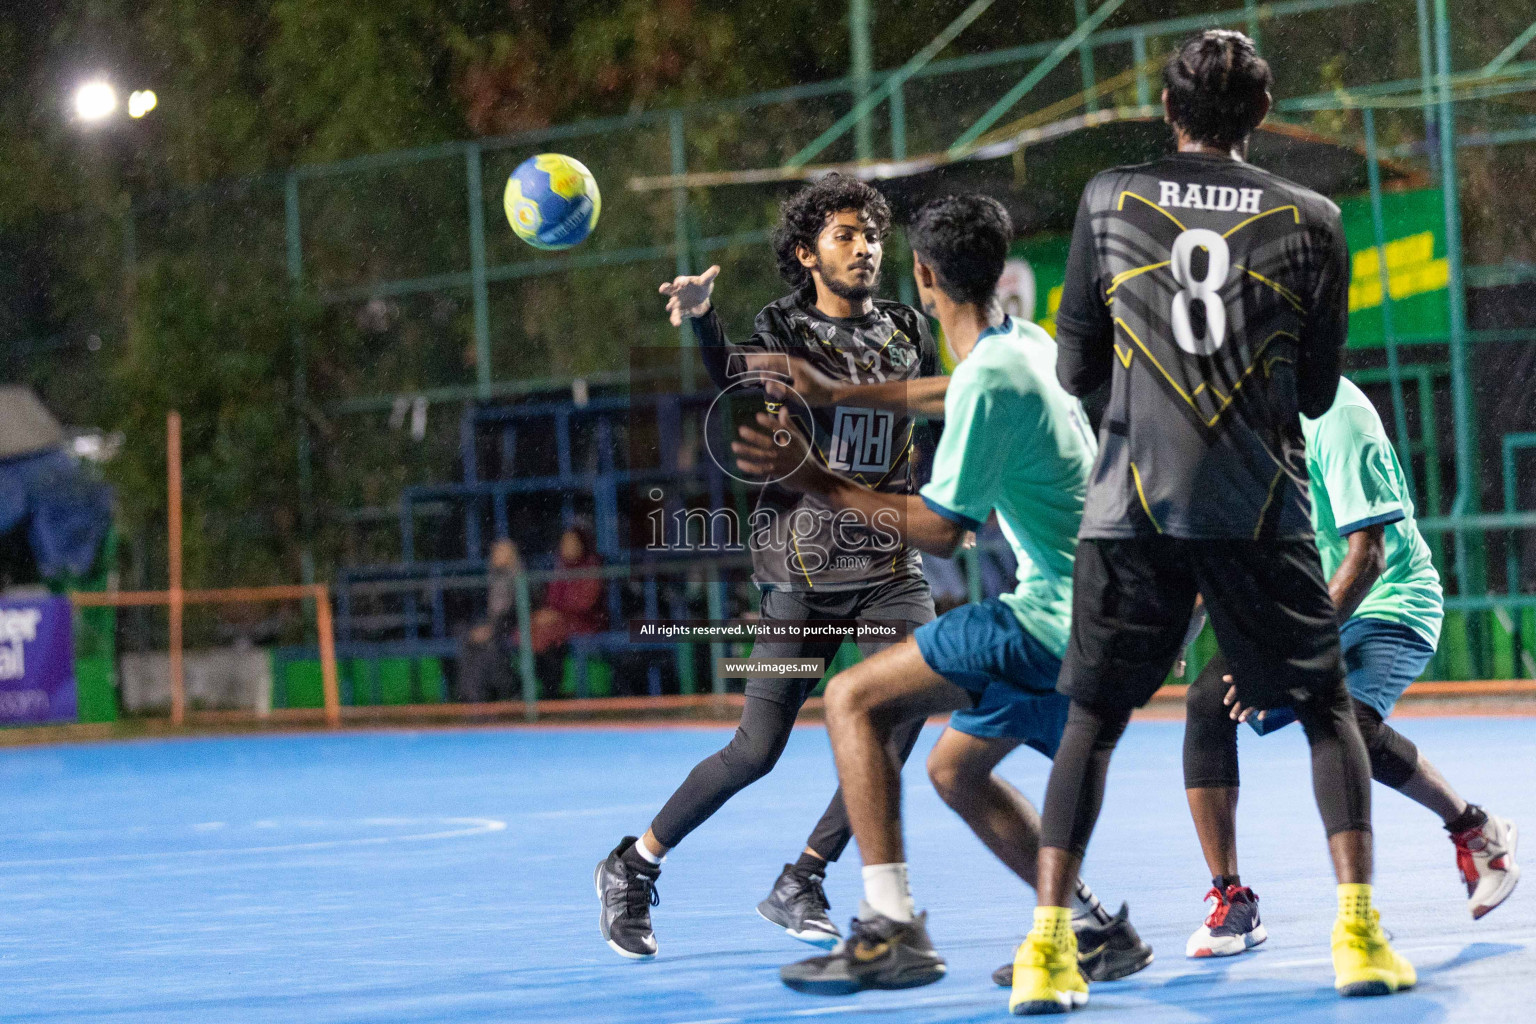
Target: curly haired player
pixel 829 244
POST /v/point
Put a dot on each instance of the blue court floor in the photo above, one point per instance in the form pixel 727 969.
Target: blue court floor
pixel 447 876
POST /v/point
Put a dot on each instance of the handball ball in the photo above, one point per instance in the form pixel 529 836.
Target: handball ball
pixel 552 201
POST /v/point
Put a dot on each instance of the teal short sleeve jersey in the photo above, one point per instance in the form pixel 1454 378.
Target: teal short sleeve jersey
pixel 1356 481
pixel 1016 443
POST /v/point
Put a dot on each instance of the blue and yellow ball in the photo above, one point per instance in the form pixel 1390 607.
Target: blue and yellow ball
pixel 552 201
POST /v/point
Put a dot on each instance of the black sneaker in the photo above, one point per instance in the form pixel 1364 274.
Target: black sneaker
pixel 627 891
pixel 798 904
pixel 878 953
pixel 1105 952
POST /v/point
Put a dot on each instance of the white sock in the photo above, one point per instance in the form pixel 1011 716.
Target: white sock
pixel 646 854
pixel 887 892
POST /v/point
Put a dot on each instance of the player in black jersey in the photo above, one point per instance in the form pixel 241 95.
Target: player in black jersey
pixel 811 562
pixel 1213 296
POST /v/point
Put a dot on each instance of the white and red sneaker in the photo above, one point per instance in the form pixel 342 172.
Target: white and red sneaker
pixel 1485 856
pixel 1232 927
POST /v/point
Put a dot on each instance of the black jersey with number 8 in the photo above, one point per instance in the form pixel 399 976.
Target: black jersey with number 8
pixel 1214 295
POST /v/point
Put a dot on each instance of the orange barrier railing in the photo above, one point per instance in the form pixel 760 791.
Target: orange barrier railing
pixel 177 598
pixel 324 627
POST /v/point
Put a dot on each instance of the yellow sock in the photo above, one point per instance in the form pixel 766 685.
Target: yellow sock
pixel 1354 901
pixel 1053 924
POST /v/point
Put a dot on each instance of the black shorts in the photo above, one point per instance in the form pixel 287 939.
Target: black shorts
pixel 905 599
pixel 1131 603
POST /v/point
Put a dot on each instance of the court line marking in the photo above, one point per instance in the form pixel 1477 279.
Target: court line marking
pixel 471 827
pixel 587 812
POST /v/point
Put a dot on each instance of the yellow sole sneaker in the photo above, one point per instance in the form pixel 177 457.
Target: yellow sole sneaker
pixel 1365 964
pixel 1046 979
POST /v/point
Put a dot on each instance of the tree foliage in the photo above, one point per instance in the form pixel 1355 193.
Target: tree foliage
pixel 205 321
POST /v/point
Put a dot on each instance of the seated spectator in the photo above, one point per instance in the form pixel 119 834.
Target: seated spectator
pixel 571 607
pixel 485 667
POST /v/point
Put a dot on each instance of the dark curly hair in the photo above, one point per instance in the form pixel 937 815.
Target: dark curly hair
pixel 804 214
pixel 1216 84
pixel 964 240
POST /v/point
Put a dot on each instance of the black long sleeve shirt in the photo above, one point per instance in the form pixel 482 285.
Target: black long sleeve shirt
pixel 798 541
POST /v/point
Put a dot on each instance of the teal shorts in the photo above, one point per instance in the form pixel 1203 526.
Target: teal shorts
pixel 985 649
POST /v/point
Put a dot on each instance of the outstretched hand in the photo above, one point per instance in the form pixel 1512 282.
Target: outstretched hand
pixel 688 295
pixel 777 451
pixel 813 387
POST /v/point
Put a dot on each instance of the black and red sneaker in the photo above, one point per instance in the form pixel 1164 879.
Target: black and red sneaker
pixel 1232 927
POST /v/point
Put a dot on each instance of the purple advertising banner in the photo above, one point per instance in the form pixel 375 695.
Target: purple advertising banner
pixel 37 661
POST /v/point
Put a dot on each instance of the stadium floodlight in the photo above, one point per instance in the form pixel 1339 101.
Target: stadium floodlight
pixel 141 102
pixel 95 100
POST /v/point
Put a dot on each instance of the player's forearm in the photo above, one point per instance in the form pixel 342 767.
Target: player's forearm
pixel 1362 566
pixel 918 525
pixel 714 348
pixel 922 397
pixel 1082 364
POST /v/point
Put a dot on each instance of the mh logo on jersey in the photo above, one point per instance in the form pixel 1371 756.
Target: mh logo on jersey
pixel 861 440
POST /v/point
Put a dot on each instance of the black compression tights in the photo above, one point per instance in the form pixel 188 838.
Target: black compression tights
pixel 1210 738
pixel 1076 788
pixel 751 754
pixel 1341 776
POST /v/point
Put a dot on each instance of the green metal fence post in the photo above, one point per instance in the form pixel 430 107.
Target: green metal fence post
pixel 1426 77
pixel 1251 8
pixel 481 299
pixel 1434 494
pixel 917 62
pixel 1509 52
pixel 1511 549
pixel 1461 396
pixel 715 602
pixel 300 374
pixel 1085 56
pixel 1010 98
pixel 687 670
pixel 1388 332
pixel 905 289
pixel 687 676
pixel 1139 56
pixel 860 67
pixel 899 123
pixel 680 235
pixel 524 603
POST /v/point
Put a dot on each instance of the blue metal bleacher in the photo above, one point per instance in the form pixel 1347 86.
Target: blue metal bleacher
pixel 417 606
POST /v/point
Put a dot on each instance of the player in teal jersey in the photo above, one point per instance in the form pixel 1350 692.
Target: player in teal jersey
pixel 1389 605
pixel 1014 443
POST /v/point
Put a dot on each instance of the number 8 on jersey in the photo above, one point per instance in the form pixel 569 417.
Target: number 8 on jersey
pixel 1206 289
